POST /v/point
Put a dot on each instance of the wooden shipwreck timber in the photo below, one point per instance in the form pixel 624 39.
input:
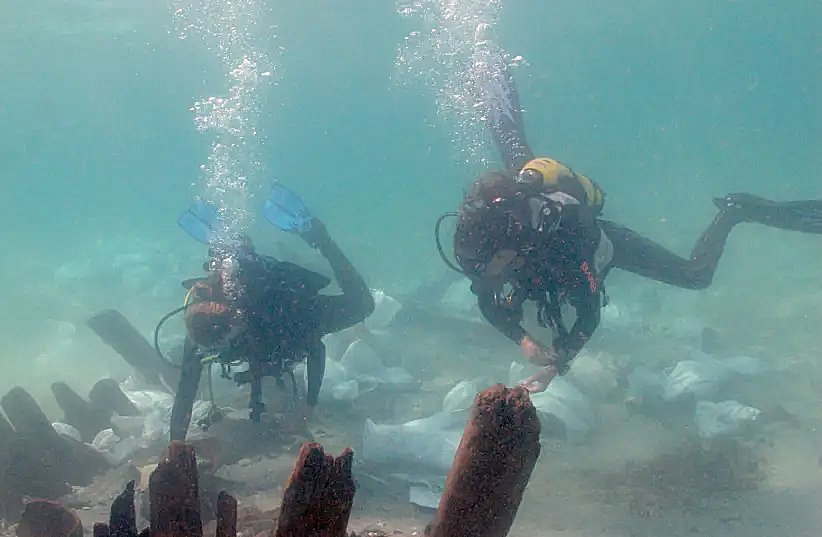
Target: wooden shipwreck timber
pixel 484 488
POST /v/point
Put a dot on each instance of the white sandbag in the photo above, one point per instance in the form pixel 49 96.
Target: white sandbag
pixel 745 365
pixel 427 444
pixel 360 360
pixel 724 418
pixel 685 329
pixel 147 401
pixel 347 390
pixel 423 496
pixel 612 315
pixel 419 445
pixel 594 374
pixel 335 344
pixel 156 427
pixel 334 373
pixel 642 383
pixel 113 448
pixel 460 397
pixel 336 384
pixel 199 412
pixel 64 429
pixel 699 378
pixel 385 308
pixel 361 363
pixel 395 376
pixel 104 440
pixel 459 299
pixel 562 400
pixel 705 376
pixel 128 426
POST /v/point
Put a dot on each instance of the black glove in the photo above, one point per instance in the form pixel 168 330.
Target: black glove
pixel 317 236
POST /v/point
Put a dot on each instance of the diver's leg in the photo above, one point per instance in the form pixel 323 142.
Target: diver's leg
pixel 315 371
pixel 256 405
pixel 503 115
pixel 640 255
pixel 333 313
pixel 804 216
pixel 186 391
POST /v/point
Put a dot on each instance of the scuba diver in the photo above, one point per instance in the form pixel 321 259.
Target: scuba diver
pixel 534 232
pixel 253 309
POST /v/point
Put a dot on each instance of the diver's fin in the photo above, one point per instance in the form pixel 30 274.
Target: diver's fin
pixel 803 216
pixel 284 209
pixel 201 221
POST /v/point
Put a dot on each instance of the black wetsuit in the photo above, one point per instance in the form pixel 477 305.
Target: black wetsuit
pixel 569 264
pixel 285 319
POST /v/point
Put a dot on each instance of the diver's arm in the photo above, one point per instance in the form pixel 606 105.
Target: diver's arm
pixel 588 314
pixel 507 320
pixel 315 370
pixel 186 391
pixel 356 303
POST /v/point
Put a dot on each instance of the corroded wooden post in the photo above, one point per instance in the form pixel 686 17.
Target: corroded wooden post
pixel 40 461
pixel 10 500
pixel 226 515
pixel 175 498
pixel 106 393
pixel 317 501
pixel 123 517
pixel 119 334
pixel 79 413
pixel 491 469
pixel 45 518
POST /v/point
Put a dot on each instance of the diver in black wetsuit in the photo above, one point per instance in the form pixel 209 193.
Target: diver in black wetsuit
pixel 269 313
pixel 534 232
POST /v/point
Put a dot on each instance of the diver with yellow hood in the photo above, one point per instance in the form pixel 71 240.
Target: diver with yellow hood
pixel 534 232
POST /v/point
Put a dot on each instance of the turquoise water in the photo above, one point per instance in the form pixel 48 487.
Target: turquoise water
pixel 665 104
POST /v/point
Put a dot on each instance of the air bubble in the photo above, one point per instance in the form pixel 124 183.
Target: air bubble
pixel 454 55
pixel 228 29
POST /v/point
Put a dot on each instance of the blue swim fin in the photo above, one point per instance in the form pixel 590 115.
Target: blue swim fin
pixel 201 221
pixel 284 209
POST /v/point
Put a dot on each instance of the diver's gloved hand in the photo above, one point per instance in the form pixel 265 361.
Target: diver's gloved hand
pixel 744 207
pixel 317 235
pixel 742 202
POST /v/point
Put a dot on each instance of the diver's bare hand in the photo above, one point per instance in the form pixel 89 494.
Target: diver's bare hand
pixel 539 381
pixel 537 353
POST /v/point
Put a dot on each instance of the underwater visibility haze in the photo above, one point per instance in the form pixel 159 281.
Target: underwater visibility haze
pixel 688 412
